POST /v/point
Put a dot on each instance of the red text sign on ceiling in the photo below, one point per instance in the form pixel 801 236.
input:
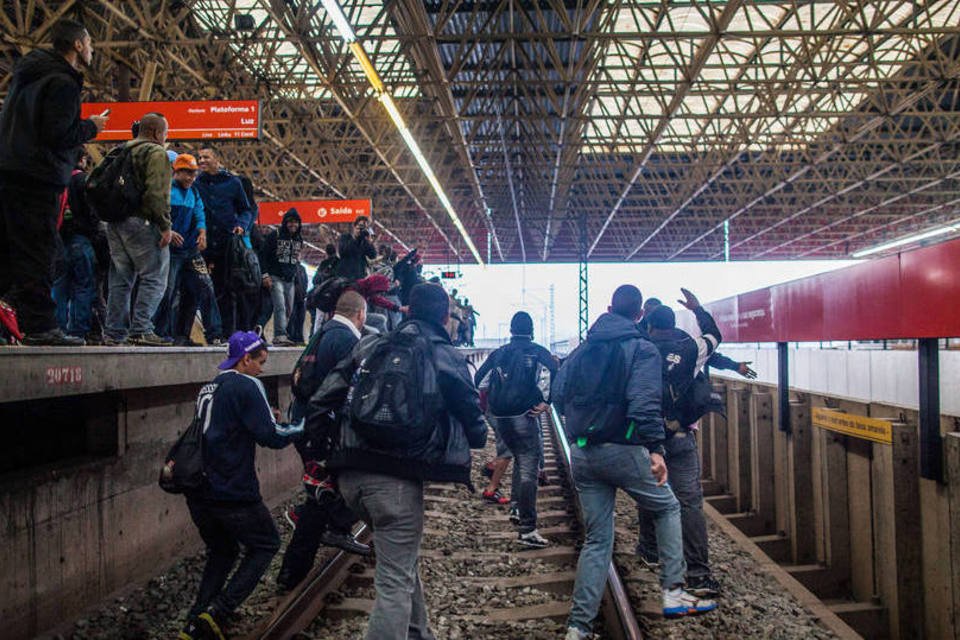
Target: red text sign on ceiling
pixel 314 211
pixel 203 120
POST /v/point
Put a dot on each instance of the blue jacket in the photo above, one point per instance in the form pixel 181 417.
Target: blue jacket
pixel 187 217
pixel 460 427
pixel 226 207
pixel 644 382
pixel 333 345
pixel 238 418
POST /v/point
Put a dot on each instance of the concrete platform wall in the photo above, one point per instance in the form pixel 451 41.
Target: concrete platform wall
pixel 74 532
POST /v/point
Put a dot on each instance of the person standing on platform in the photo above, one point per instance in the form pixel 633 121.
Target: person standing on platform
pixel 516 402
pixel 76 290
pixel 281 257
pixel 299 313
pixel 609 389
pixel 683 358
pixel 228 212
pixel 189 239
pixel 388 449
pixel 355 249
pixel 139 250
pixel 228 510
pixel 41 139
pixel 322 518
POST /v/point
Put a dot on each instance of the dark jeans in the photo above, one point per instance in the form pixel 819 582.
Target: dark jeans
pixel 76 290
pixel 238 312
pixel 28 245
pixel 683 463
pixel 314 519
pixel 224 528
pixel 297 317
pixel 169 304
pixel 197 293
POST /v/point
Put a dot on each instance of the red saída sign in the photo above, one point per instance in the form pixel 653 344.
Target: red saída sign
pixel 315 211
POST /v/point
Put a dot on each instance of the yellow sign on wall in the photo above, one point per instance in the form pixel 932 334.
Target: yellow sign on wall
pixel 853 425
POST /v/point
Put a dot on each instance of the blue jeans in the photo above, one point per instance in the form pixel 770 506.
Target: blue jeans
pixel 135 252
pixel 394 508
pixel 598 471
pixel 165 319
pixel 281 294
pixel 525 442
pixel 76 290
pixel 197 292
pixel 683 463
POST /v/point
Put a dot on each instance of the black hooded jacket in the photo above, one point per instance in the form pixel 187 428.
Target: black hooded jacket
pixel 460 426
pixel 281 249
pixel 41 133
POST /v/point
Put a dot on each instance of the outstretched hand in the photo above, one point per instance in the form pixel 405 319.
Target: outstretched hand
pixel 690 301
pixel 745 370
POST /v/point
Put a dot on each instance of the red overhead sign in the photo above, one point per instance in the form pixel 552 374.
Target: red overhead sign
pixel 909 295
pixel 314 211
pixel 202 120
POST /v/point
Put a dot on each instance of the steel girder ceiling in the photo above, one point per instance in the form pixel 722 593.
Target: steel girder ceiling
pixel 814 128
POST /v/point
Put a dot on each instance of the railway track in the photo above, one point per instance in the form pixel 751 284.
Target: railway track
pixel 478 581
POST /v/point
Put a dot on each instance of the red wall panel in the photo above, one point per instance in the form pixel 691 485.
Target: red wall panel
pixel 931 291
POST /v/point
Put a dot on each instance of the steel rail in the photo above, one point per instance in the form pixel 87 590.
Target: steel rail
pixel 617 610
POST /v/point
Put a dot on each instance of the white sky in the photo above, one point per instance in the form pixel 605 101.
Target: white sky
pixel 497 292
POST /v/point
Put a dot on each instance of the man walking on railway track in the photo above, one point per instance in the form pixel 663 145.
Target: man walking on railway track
pixel 229 510
pixel 322 518
pixel 410 414
pixel 609 389
pixel 516 402
pixel 686 397
pixel 41 138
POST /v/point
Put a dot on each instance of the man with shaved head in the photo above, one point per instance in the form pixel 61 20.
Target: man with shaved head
pixel 139 244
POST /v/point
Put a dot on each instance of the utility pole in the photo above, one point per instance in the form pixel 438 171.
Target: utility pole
pixel 584 313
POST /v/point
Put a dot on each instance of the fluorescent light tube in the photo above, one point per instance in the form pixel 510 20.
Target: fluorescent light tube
pixel 339 20
pixel 932 233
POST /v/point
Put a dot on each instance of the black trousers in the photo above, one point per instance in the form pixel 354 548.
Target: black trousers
pixel 28 247
pixel 314 519
pixel 238 311
pixel 224 528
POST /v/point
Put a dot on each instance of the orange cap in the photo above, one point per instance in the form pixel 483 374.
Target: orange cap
pixel 185 161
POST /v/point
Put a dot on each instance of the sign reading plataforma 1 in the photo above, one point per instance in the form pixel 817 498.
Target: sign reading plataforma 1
pixel 853 425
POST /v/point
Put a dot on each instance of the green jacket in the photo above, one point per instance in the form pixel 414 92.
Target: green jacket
pixel 153 167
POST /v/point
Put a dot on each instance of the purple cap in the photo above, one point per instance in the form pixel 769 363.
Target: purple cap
pixel 241 343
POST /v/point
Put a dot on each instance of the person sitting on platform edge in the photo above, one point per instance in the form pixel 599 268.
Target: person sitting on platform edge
pixel 387 450
pixel 610 390
pixel 516 402
pixel 683 358
pixel 229 510
pixel 322 518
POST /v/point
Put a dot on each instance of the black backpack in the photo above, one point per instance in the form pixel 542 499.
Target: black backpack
pixel 182 470
pixel 114 188
pixel 395 399
pixel 325 295
pixel 243 267
pixel 594 395
pixel 696 400
pixel 513 384
pixel 302 384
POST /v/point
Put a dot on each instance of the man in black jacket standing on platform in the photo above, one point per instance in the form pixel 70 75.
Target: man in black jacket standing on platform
pixel 41 139
pixel 355 248
pixel 322 518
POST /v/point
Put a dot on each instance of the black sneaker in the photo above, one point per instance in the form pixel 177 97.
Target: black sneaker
pixel 703 587
pixel 52 338
pixel 94 338
pixel 344 541
pixel 514 514
pixel 150 340
pixel 210 626
pixel 109 341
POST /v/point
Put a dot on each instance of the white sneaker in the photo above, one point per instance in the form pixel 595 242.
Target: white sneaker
pixel 678 602
pixel 575 634
pixel 533 539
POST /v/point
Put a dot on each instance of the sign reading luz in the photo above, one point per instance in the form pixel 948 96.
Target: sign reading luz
pixel 315 211
pixel 853 425
pixel 202 120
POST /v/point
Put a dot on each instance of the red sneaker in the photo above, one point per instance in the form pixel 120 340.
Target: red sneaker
pixel 495 497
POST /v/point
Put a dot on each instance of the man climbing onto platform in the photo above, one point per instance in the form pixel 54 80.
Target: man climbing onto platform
pixel 516 402
pixel 228 510
pixel 609 389
pixel 686 398
pixel 409 414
